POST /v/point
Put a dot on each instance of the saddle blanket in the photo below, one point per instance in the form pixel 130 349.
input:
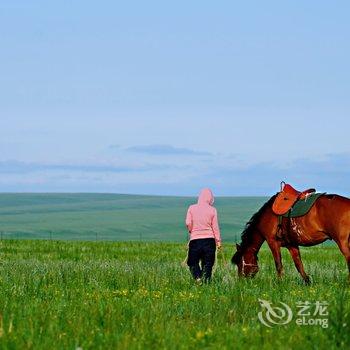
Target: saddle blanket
pixel 303 206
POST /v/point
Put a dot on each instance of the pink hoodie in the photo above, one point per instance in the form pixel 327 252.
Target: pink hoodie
pixel 202 218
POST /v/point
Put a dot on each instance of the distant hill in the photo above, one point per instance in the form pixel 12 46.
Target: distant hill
pixel 89 216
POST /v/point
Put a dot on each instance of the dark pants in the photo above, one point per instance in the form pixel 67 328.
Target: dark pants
pixel 203 251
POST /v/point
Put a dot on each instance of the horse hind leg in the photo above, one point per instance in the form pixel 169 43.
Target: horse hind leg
pixel 348 258
pixel 344 246
pixel 347 255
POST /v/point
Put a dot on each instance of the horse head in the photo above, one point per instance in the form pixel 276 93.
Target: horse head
pixel 246 261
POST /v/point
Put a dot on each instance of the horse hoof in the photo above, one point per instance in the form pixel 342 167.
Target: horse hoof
pixel 307 280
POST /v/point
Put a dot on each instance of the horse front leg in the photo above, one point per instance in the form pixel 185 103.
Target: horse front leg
pixel 275 247
pixel 295 253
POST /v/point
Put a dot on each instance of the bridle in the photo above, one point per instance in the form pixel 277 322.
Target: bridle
pixel 244 264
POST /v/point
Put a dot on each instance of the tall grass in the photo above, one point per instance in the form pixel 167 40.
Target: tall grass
pixel 66 295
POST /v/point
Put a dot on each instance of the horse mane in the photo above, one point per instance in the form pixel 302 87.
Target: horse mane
pixel 250 225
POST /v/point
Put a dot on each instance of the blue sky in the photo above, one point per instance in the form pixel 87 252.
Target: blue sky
pixel 166 97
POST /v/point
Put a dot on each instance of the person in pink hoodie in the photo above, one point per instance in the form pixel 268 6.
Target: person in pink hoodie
pixel 203 227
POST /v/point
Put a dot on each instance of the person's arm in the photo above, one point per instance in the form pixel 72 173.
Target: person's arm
pixel 216 229
pixel 189 223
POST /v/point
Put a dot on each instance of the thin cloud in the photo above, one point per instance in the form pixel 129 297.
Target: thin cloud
pixel 114 147
pixel 165 150
pixel 18 167
pixel 328 173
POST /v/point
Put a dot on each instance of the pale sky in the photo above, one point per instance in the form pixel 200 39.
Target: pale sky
pixel 164 98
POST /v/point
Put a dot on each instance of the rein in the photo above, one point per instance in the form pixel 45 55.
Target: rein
pixel 244 264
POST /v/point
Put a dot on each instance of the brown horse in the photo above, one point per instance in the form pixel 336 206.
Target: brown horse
pixel 329 218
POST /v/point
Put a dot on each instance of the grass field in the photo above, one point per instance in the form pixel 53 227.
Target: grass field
pixel 59 289
pixel 136 295
pixel 113 217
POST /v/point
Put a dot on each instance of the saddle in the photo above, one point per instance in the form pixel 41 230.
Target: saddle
pixel 287 197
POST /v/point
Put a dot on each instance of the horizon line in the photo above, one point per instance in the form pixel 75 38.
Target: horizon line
pixel 130 194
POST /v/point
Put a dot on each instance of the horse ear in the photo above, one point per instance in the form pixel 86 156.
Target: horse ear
pixel 238 247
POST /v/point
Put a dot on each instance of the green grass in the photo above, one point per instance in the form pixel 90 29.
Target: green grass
pixel 136 295
pixel 113 217
pixel 57 294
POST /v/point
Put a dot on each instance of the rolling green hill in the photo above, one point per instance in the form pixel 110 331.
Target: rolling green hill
pixel 113 216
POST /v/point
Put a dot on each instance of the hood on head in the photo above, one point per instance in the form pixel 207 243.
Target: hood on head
pixel 206 196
